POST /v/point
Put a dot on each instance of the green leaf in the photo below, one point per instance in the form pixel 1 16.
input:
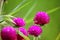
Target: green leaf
pixel 1 18
pixel 1 6
pixel 53 10
pixel 29 21
pixel 19 8
pixel 58 37
pixel 30 10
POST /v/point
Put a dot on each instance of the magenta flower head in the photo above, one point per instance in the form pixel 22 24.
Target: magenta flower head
pixel 35 30
pixel 23 30
pixel 19 21
pixel 8 33
pixel 41 18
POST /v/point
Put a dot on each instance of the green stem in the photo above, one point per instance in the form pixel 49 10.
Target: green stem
pixel 36 38
pixel 33 38
pixel 21 34
pixel 10 16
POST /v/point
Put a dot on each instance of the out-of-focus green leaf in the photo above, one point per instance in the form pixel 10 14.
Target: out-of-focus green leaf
pixel 30 10
pixel 1 18
pixel 58 37
pixel 53 10
pixel 29 21
pixel 20 8
pixel 1 6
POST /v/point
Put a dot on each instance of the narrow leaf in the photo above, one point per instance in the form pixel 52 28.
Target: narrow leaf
pixel 1 5
pixel 30 10
pixel 58 37
pixel 20 8
pixel 53 10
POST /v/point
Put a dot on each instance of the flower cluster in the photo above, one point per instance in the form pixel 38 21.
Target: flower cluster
pixel 9 32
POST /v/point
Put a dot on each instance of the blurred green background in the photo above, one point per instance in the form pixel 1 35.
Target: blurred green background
pixel 51 31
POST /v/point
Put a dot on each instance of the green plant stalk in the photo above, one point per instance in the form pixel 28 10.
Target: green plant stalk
pixel 9 16
pixel 35 38
pixel 21 34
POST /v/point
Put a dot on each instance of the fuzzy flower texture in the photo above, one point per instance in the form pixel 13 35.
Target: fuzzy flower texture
pixel 35 30
pixel 41 18
pixel 19 21
pixel 23 30
pixel 9 33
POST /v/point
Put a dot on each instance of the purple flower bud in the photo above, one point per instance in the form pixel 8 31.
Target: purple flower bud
pixel 41 18
pixel 19 21
pixel 35 30
pixel 8 33
pixel 23 30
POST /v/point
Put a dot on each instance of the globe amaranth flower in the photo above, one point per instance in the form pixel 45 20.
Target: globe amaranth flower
pixel 23 30
pixel 35 30
pixel 19 21
pixel 41 18
pixel 8 33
